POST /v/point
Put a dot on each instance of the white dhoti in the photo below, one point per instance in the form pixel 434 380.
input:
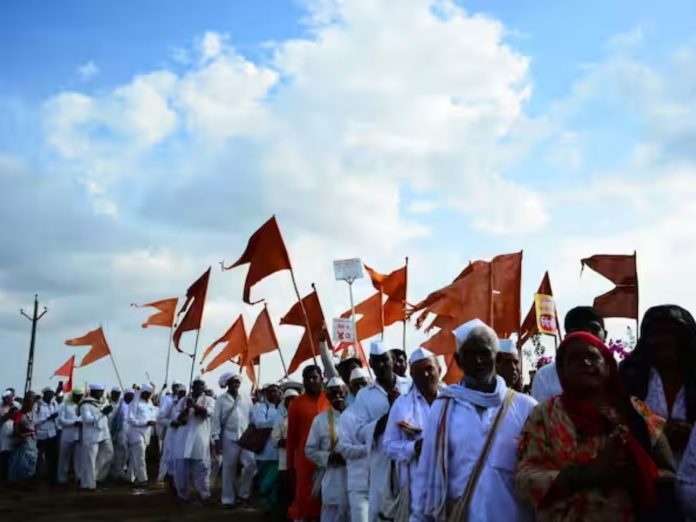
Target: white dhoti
pixel 96 460
pixel 359 506
pixel 334 513
pixel 120 461
pixel 196 471
pixel 232 457
pixel 69 453
pixel 380 468
pixel 137 468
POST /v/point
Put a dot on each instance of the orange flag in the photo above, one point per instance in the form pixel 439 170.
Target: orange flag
pixel 454 372
pixel 295 316
pixel 236 345
pixel 166 314
pixel 506 284
pixel 195 300
pixel 98 346
pixel 529 325
pixel 66 371
pixel 621 301
pixel 370 324
pixel 265 253
pixel 394 287
pixel 442 343
pixel 262 338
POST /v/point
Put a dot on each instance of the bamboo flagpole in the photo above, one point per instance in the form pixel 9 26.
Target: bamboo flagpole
pixel 169 354
pixel 403 341
pixel 306 317
pixel 193 357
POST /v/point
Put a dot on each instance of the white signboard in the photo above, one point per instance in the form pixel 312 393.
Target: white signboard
pixel 348 269
pixel 343 331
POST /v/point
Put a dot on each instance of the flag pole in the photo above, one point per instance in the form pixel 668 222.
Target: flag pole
pixel 169 353
pixel 282 361
pixel 258 374
pixel 118 376
pixel 306 317
pixel 352 311
pixel 403 340
pixel 193 357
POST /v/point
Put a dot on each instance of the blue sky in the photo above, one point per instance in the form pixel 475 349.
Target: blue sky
pixel 141 142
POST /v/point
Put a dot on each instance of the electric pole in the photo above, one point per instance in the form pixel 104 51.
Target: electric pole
pixel 34 319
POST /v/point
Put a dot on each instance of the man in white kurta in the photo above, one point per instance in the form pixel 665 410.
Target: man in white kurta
pixel 371 411
pixel 192 451
pixel 408 418
pixel 321 448
pixel 263 416
pixel 140 423
pixel 167 459
pixel 97 449
pixel 230 421
pixel 69 435
pixel 118 423
pixel 46 415
pixel 460 422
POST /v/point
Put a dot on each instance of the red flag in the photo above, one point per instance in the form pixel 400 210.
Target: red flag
pixel 621 301
pixel 265 253
pixel 166 314
pixel 370 324
pixel 195 300
pixel 66 370
pixel 98 346
pixel 296 317
pixel 262 338
pixel 529 325
pixel 236 345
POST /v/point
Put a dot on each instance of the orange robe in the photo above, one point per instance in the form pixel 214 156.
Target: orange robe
pixel 300 417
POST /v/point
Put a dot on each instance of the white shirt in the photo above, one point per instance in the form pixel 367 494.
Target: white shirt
pixel 657 401
pixel 280 431
pixel 7 429
pixel 318 449
pixel 264 415
pixel 46 428
pixel 67 417
pixel 139 415
pixel 546 383
pixel 95 425
pixel 686 479
pixel 231 416
pixel 193 438
pixel 414 409
pixel 355 453
pixel 495 497
pixel 166 405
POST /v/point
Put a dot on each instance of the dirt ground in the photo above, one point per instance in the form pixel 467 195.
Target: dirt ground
pixel 110 504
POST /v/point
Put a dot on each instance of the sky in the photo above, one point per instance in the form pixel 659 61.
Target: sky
pixel 141 142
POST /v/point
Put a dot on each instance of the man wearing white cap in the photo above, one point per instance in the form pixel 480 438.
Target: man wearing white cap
pixel 140 421
pixel 321 448
pixel 46 414
pixel 471 438
pixel 166 402
pixel 69 435
pixel 403 436
pixel 118 424
pixel 263 416
pixel 167 459
pixel 97 449
pixel 279 437
pixel 507 364
pixel 192 451
pixel 371 411
pixel 230 421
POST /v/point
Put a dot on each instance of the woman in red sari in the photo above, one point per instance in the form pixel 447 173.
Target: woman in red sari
pixel 592 453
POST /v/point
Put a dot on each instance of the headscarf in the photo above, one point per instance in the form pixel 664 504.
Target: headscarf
pixel 590 420
pixel 635 369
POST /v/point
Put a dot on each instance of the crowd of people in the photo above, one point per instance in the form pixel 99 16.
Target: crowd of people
pixel 593 440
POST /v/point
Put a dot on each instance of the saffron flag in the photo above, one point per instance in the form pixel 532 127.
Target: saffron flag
pixel 265 253
pixel 236 339
pixel 529 326
pixel 166 314
pixel 66 370
pixel 370 324
pixel 394 287
pixel 98 346
pixel 506 284
pixel 309 344
pixel 262 338
pixel 454 373
pixel 193 308
pixel 441 343
pixel 622 300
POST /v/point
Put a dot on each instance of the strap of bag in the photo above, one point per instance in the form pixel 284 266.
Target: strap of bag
pixel 461 508
pixel 333 440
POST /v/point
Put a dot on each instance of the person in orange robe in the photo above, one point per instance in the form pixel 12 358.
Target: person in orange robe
pixel 302 412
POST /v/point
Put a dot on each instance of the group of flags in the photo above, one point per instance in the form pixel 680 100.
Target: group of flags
pixel 489 290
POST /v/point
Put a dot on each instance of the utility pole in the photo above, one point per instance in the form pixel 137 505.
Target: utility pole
pixel 34 319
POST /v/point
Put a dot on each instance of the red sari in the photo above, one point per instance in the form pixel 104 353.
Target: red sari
pixel 300 416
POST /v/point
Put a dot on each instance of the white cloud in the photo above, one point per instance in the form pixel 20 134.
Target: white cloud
pixel 87 71
pixel 422 206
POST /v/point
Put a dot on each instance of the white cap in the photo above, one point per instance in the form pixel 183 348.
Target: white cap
pixel 378 348
pixel 116 389
pixel 290 393
pixel 507 346
pixel 198 378
pixel 128 391
pixel 419 354
pixel 177 383
pixel 226 377
pixel 147 388
pixel 78 390
pixel 359 373
pixel 96 387
pixel 7 393
pixel 336 382
pixel 47 389
pixel 462 333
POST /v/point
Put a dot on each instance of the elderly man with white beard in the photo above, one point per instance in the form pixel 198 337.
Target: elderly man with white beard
pixel 403 436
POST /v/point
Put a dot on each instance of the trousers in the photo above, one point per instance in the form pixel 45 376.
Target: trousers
pixel 233 485
pixel 48 457
pixel 192 470
pixel 69 453
pixel 359 506
pixel 137 467
pixel 96 461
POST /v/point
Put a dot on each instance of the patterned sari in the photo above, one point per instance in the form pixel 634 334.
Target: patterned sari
pixel 551 442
